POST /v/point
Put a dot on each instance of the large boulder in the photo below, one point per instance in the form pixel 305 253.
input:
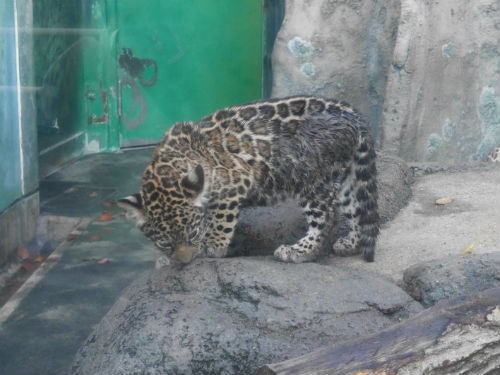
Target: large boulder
pixel 424 73
pixel 432 281
pixel 337 49
pixel 456 336
pixel 230 316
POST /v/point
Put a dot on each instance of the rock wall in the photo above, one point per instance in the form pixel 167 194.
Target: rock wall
pixel 426 74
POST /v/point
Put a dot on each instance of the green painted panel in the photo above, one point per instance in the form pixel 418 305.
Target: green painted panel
pixel 10 158
pixel 111 73
pixel 182 59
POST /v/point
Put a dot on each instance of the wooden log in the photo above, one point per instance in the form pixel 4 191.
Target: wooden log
pixel 456 336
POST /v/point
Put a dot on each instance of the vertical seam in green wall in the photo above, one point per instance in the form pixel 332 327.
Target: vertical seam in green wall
pixel 19 104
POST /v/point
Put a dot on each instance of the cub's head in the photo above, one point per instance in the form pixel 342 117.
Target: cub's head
pixel 169 208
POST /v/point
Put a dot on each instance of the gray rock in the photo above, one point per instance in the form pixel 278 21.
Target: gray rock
pixel 424 73
pixel 230 316
pixel 432 281
pixel 337 49
pixel 261 230
pixel 394 185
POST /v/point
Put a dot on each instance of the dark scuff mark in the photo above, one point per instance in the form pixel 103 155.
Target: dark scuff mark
pixel 135 67
pixel 138 98
pixel 93 119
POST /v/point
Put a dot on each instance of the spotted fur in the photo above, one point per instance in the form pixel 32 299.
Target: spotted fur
pixel 316 150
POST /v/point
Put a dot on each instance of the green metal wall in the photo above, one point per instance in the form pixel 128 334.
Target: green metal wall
pixel 208 54
pixel 118 73
pixel 18 143
pixel 10 166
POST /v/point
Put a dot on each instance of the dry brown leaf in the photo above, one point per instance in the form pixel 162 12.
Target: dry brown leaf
pixel 105 216
pixel 71 237
pixel 93 194
pixel 444 200
pixel 38 259
pixel 107 204
pixel 23 253
pixel 94 238
pixel 30 267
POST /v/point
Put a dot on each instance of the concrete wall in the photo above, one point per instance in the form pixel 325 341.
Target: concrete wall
pixel 18 141
pixel 424 73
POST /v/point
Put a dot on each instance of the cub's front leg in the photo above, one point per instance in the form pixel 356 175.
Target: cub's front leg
pixel 222 221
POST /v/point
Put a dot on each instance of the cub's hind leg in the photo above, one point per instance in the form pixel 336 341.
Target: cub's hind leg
pixel 307 248
pixel 357 205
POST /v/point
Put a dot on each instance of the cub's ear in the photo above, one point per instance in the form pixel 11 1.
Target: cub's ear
pixel 132 205
pixel 194 180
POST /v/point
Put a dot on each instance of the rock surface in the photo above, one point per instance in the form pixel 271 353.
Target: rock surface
pixel 230 316
pixel 337 49
pixel 424 231
pixel 456 336
pixel 424 73
pixel 432 281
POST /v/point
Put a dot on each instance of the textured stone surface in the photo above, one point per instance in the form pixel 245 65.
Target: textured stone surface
pixel 456 336
pixel 425 74
pixel 337 49
pixel 430 282
pixel 230 316
pixel 442 99
pixel 394 185
pixel 424 231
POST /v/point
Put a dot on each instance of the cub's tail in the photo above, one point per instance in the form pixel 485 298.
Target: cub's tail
pixel 367 194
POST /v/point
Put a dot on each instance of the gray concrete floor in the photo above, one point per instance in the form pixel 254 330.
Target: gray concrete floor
pixel 423 231
pixel 45 322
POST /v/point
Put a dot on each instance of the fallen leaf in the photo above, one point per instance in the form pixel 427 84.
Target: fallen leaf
pixel 23 253
pixel 71 237
pixel 102 261
pixel 30 267
pixel 95 238
pixel 38 259
pixel 468 249
pixel 107 204
pixel 444 200
pixel 93 194
pixel 105 216
pixel 107 230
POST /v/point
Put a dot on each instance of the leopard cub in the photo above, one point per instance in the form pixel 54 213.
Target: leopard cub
pixel 316 150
